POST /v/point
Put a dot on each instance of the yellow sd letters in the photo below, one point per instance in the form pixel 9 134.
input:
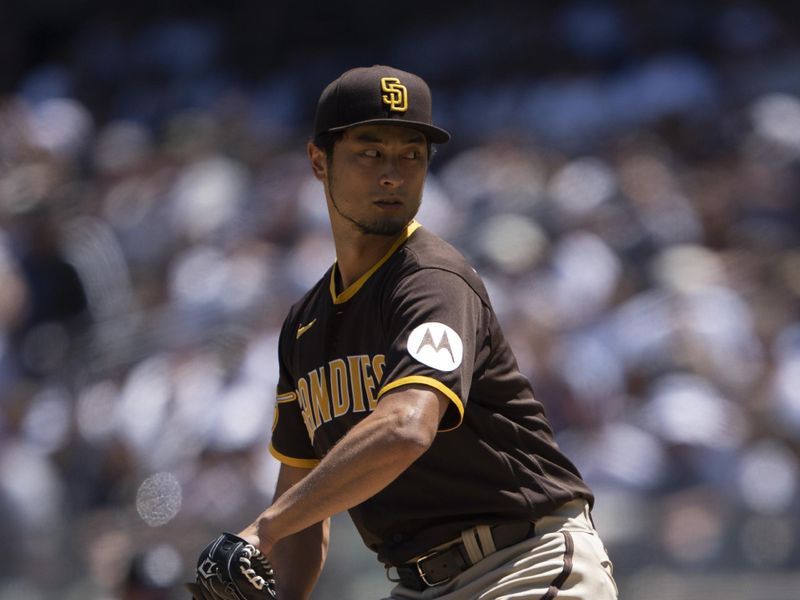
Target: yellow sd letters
pixel 395 94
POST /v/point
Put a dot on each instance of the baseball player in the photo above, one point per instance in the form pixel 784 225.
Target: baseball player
pixel 399 398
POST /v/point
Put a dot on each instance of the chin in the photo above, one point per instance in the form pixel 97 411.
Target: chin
pixel 387 227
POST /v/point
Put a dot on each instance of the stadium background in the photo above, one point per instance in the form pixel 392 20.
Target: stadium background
pixel 624 175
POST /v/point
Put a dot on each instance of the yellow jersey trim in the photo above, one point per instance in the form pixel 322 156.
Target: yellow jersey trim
pixel 359 283
pixel 287 397
pixel 302 463
pixel 430 382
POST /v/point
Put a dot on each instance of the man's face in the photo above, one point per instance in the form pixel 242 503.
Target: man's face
pixel 375 178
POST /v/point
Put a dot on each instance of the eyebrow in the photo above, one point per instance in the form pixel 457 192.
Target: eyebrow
pixel 368 137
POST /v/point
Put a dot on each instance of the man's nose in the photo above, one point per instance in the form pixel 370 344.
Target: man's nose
pixel 391 176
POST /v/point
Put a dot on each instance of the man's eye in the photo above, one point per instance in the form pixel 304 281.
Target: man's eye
pixel 371 153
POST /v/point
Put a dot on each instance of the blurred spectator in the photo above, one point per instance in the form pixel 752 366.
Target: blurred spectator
pixel 56 305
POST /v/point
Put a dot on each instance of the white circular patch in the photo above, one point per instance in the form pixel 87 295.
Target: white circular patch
pixel 159 499
pixel 436 345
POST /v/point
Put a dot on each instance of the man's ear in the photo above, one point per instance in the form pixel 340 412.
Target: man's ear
pixel 319 161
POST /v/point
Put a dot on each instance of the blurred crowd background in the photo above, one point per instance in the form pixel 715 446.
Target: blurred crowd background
pixel 624 175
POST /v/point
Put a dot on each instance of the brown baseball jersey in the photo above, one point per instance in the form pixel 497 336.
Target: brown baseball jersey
pixel 421 316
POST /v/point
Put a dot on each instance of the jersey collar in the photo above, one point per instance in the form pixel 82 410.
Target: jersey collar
pixel 356 285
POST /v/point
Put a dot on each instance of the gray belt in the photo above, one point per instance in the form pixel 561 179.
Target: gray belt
pixel 440 566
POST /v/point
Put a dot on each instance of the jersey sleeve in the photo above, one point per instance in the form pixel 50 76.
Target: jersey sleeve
pixel 290 442
pixel 433 320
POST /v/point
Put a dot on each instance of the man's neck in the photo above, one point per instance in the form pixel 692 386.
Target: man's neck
pixel 357 254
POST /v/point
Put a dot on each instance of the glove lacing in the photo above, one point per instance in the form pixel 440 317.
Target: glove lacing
pixel 250 552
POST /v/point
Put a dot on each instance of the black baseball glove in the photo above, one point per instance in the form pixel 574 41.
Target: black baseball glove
pixel 230 568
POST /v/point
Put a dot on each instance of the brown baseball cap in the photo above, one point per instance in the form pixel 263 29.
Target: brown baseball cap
pixel 377 95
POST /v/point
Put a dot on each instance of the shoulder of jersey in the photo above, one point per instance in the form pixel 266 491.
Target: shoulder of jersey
pixel 429 251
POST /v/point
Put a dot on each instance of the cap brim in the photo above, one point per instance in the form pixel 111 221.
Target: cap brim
pixel 433 133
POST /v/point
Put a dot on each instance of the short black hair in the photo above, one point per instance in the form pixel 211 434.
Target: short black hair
pixel 327 140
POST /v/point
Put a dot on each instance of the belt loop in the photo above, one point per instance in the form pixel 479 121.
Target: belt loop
pixel 486 539
pixel 471 545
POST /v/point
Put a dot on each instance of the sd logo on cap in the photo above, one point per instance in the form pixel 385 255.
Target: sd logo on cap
pixel 377 95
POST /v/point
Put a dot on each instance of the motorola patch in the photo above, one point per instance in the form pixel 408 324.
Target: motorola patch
pixel 436 345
